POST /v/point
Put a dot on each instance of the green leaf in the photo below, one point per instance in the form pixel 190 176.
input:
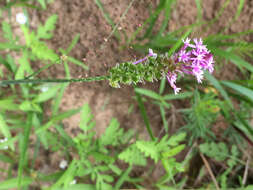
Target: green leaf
pixel 217 151
pixel 13 183
pixel 4 128
pixel 39 48
pixel 144 115
pixel 218 86
pixel 23 142
pixel 24 67
pixel 112 134
pixel 10 46
pixel 176 139
pixel 123 178
pixel 240 89
pixel 173 151
pixel 149 149
pixel 77 62
pixel 233 58
pixel 162 86
pixel 86 122
pixel 46 31
pixel 132 155
pixel 56 119
pixel 44 96
pixel 148 93
pixel 8 104
pixel 72 44
pixel 30 106
pixel 10 143
pixel 42 3
pixel 199 10
pixel 67 177
pixel 179 42
pixel 6 159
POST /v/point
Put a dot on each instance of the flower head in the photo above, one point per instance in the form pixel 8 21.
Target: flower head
pixel 63 164
pixel 21 18
pixel 150 54
pixel 191 59
pixel 2 141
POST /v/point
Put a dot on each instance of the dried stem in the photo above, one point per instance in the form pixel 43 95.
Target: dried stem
pixel 245 175
pixel 209 171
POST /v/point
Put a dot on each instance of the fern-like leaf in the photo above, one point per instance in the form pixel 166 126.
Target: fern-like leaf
pixel 132 155
pixel 45 31
pixel 86 122
pixel 112 134
pixel 149 149
pixel 176 139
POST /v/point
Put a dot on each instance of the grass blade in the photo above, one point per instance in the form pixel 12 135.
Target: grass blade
pixel 179 42
pixel 165 123
pixel 13 183
pixel 238 61
pixel 144 115
pixel 148 93
pixel 24 139
pixel 72 44
pixel 240 89
pixel 123 177
pixel 199 9
pixel 218 86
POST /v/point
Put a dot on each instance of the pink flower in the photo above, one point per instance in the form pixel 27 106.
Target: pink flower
pixel 172 77
pixel 150 54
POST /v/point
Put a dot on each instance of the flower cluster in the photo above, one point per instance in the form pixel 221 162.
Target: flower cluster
pixel 21 18
pixel 191 59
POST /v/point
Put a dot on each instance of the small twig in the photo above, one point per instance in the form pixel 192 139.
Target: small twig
pixel 245 175
pixel 116 26
pixel 209 171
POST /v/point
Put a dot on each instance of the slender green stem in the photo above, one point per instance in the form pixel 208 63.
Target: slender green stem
pixel 34 81
pixel 144 116
pixel 40 70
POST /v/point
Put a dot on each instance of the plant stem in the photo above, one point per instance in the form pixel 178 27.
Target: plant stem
pixel 144 116
pixel 35 81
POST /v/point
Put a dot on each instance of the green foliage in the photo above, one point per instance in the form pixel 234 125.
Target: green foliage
pixel 200 116
pixel 39 48
pixel 96 160
pixel 7 32
pixel 112 134
pixel 217 151
pixel 46 31
pixel 220 152
pixel 133 156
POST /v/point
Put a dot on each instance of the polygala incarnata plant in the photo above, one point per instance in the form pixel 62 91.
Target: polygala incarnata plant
pixel 192 59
